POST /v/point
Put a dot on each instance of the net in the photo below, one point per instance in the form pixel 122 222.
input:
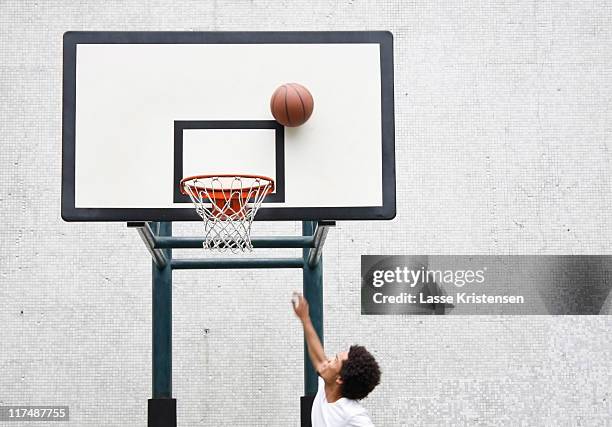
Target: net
pixel 227 204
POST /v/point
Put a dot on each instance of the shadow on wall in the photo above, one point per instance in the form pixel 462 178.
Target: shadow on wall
pixel 576 284
pixel 551 284
pixel 546 284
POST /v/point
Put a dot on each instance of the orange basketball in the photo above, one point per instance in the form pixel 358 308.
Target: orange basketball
pixel 291 104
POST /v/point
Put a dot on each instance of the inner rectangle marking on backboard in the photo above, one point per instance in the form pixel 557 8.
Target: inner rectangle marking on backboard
pixel 254 147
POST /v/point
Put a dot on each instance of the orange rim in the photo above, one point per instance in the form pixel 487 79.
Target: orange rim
pixel 222 193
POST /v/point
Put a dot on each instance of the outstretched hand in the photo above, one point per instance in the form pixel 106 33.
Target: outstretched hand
pixel 300 306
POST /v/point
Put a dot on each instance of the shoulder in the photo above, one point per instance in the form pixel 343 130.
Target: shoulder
pixel 358 416
pixel 320 388
pixel 361 420
pixel 321 383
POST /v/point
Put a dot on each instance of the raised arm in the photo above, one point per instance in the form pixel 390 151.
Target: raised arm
pixel 315 349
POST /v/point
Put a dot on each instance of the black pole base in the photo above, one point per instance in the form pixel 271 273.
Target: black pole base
pixel 161 413
pixel 305 409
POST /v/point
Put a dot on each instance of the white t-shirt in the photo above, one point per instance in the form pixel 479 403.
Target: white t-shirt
pixel 342 413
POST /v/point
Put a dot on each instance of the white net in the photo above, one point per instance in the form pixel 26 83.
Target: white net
pixel 228 205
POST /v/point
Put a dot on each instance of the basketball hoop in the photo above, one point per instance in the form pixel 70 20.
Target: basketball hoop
pixel 227 204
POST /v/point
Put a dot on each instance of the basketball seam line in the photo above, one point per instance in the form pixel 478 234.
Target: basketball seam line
pixel 301 102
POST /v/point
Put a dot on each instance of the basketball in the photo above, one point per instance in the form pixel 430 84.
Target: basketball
pixel 291 104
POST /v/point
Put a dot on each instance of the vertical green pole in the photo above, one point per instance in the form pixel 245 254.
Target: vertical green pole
pixel 162 407
pixel 162 322
pixel 313 292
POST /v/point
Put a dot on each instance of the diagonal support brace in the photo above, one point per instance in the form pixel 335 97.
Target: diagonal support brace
pixel 148 237
pixel 320 234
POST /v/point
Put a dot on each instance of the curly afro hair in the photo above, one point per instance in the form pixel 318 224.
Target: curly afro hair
pixel 360 373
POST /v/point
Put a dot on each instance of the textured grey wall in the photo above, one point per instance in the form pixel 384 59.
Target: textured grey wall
pixel 503 136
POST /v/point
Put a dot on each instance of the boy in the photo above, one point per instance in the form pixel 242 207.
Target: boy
pixel 344 379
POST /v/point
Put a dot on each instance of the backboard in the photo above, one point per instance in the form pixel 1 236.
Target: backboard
pixel 142 110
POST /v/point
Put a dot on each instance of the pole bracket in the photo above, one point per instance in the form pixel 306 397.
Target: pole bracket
pixel 148 237
pixel 320 234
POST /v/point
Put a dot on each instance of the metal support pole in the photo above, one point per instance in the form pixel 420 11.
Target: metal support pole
pixel 162 408
pixel 313 291
pixel 159 241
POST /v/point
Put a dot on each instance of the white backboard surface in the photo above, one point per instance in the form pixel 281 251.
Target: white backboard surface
pixel 142 110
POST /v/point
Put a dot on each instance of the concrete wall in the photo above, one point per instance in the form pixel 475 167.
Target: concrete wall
pixel 503 136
